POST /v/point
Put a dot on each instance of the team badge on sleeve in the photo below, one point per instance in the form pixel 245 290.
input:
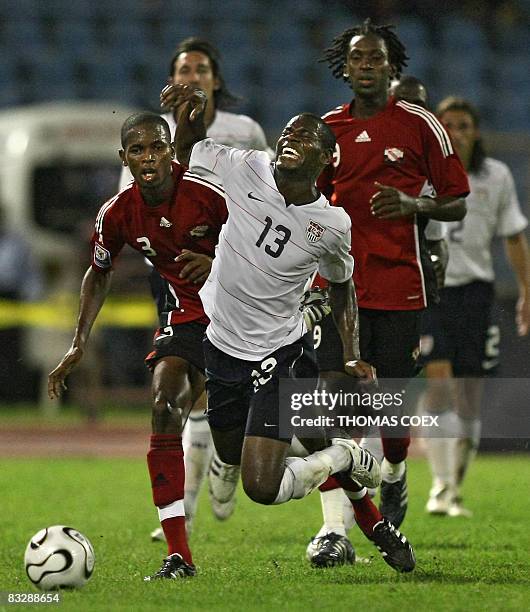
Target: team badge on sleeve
pixel 101 256
pixel 314 231
pixel 393 154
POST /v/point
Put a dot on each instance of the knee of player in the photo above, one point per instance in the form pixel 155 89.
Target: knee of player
pixel 164 403
pixel 259 491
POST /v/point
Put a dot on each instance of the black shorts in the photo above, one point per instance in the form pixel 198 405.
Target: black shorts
pixel 247 392
pixel 389 340
pixel 459 330
pixel 183 340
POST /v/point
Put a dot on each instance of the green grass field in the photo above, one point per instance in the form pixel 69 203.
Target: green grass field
pixel 256 561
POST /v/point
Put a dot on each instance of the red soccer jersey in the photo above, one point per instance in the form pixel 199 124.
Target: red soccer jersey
pixel 192 220
pixel 406 147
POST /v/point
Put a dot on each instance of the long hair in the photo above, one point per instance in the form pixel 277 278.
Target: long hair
pixel 335 55
pixel 223 98
pixel 478 152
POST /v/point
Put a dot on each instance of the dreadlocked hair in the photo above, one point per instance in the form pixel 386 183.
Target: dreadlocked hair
pixel 336 54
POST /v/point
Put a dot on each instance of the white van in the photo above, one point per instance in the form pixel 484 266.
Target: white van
pixel 59 164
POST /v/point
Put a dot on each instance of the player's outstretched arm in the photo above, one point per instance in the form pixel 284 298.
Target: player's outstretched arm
pixel 343 303
pixel 190 104
pixel 94 290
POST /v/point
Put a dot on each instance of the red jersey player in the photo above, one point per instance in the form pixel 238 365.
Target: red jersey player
pixel 173 218
pixel 394 168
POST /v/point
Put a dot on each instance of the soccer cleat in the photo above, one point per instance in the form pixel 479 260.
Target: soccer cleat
pixel 364 468
pixel 393 546
pixel 457 509
pixel 330 550
pixel 394 500
pixel 173 567
pixel 222 485
pixel 439 500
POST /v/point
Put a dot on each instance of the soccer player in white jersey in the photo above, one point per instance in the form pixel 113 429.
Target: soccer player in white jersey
pixel 279 232
pixel 457 329
pixel 197 62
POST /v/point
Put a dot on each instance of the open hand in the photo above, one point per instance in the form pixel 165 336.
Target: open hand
pixel 56 378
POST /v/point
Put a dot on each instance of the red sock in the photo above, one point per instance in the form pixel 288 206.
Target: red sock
pixel 330 484
pixel 165 461
pixel 396 449
pixel 366 514
pixel 177 540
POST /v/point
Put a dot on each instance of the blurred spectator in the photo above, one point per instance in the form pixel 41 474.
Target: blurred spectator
pixel 20 280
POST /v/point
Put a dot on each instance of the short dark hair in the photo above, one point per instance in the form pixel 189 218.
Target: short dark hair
pixel 144 117
pixel 222 97
pixel 327 137
pixel 335 55
pixel 452 103
pixel 412 83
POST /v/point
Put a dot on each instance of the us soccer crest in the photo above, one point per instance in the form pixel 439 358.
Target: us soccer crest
pixel 314 231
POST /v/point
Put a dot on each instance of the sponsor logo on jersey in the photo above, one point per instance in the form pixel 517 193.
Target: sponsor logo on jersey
pixel 393 155
pixel 164 222
pixel 101 256
pixel 363 137
pixel 199 231
pixel 314 231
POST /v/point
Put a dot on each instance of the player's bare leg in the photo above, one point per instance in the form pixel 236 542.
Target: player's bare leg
pixel 224 471
pixel 173 395
pixel 270 477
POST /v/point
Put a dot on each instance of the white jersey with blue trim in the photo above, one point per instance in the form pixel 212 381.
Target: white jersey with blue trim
pixel 492 210
pixel 267 251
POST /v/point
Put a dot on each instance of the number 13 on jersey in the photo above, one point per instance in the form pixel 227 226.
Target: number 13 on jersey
pixel 282 238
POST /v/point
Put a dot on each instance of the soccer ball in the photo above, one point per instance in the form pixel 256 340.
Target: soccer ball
pixel 58 557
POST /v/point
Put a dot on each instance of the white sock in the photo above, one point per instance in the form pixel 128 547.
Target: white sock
pixel 348 513
pixel 440 446
pixel 466 446
pixel 198 450
pixel 392 472
pixel 332 512
pixel 301 476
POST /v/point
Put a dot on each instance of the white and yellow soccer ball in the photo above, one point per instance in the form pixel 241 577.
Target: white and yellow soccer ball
pixel 59 557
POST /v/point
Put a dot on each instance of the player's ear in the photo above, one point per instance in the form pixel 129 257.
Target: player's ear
pixel 121 153
pixel 173 150
pixel 326 157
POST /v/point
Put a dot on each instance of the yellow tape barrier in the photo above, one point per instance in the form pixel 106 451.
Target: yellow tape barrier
pixel 62 314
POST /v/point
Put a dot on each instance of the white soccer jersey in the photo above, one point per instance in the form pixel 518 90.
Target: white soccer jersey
pixel 492 209
pixel 267 251
pixel 435 230
pixel 237 131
